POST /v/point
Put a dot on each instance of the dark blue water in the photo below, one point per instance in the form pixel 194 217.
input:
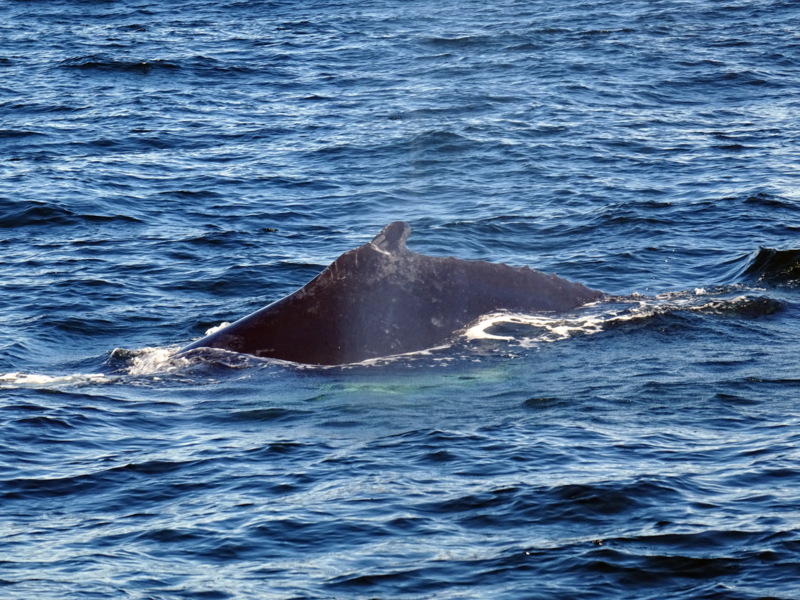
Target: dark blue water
pixel 165 167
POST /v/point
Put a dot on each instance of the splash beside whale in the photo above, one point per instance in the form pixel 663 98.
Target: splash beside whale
pixel 382 299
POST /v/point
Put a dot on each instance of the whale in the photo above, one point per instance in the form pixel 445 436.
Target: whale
pixel 382 299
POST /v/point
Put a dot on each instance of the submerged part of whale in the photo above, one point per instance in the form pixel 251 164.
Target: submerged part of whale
pixel 382 299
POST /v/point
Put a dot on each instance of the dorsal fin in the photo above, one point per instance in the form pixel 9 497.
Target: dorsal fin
pixel 392 238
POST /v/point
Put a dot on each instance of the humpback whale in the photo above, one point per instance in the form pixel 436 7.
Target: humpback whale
pixel 382 299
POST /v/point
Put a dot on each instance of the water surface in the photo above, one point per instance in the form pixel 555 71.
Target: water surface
pixel 168 167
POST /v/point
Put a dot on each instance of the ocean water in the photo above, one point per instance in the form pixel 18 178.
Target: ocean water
pixel 169 166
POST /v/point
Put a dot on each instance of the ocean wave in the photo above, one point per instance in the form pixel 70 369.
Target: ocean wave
pixel 96 482
pixel 6 134
pixel 27 213
pixel 774 267
pixel 99 62
pixel 199 65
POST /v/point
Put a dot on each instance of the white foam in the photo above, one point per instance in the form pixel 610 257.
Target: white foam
pixel 19 379
pixel 153 360
pixel 217 328
pixel 588 320
pixel 543 328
